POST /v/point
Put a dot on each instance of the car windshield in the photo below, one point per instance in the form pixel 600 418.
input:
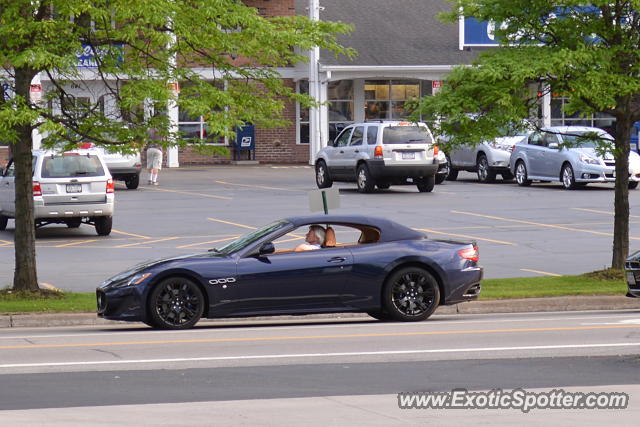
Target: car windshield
pixel 71 165
pixel 248 239
pixel 584 139
pixel 406 134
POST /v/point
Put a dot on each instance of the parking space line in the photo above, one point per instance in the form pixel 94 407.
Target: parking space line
pixel 146 242
pixel 501 242
pixel 206 243
pixel 65 245
pixel 189 193
pixel 130 234
pixel 539 224
pixel 601 212
pixel 232 223
pixel 259 186
pixel 544 273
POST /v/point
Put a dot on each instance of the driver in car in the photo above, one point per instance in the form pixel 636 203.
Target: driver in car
pixel 313 240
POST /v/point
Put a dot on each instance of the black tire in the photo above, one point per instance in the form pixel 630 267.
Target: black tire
pixel 175 303
pixel 567 177
pixel 3 222
pixel 132 182
pixel 440 178
pixel 632 185
pixel 486 175
pixel 522 177
pixel 103 225
pixel 383 185
pixel 364 179
pixel 426 184
pixel 74 222
pixel 507 176
pixel 453 174
pixel 410 294
pixel 379 315
pixel 323 179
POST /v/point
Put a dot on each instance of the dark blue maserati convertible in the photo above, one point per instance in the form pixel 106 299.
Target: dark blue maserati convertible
pixel 363 264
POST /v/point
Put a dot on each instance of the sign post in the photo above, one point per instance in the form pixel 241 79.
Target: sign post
pixel 322 200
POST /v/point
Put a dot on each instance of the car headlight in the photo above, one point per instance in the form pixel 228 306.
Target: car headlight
pixel 137 279
pixel 589 160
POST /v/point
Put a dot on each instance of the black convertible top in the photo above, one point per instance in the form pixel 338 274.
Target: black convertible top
pixel 389 230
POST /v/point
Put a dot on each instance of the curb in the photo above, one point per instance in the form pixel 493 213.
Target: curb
pixel 520 305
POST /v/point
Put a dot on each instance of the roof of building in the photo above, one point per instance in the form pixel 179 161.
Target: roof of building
pixel 394 32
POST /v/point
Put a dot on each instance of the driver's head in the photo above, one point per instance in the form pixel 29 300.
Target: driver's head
pixel 315 234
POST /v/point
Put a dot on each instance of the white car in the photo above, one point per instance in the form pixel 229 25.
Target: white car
pixel 122 167
pixel 69 188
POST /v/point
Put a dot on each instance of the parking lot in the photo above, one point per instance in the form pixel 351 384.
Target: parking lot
pixel 537 230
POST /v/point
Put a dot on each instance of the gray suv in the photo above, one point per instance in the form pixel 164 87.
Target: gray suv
pixel 380 153
pixel 69 188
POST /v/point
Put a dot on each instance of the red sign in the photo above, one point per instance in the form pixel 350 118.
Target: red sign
pixel 36 92
pixel 436 84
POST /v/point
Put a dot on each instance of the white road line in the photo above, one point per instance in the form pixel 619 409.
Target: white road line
pixel 311 355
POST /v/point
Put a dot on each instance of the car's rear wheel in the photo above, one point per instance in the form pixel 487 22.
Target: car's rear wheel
pixel 132 181
pixel 568 178
pixel 74 222
pixel 323 180
pixel 410 294
pixel 633 185
pixel 364 179
pixel 103 225
pixel 3 222
pixel 175 303
pixel 426 184
pixel 485 173
pixel 522 178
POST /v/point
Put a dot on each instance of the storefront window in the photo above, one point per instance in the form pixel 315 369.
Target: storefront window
pixel 195 128
pixel 385 99
pixel 340 108
pixel 560 118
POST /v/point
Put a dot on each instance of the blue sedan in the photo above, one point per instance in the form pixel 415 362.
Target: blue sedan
pixel 365 264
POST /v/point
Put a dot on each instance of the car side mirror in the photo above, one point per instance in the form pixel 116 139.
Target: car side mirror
pixel 553 145
pixel 267 249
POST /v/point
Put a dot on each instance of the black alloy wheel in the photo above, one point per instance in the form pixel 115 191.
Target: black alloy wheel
pixel 175 303
pixel 323 180
pixel 485 173
pixel 411 294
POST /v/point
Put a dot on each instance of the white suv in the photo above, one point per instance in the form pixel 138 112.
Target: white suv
pixel 68 188
pixel 380 153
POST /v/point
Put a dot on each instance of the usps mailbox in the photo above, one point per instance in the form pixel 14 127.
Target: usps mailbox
pixel 245 142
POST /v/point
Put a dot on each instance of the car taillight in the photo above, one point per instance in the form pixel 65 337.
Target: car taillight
pixel 110 186
pixel 37 190
pixel 435 150
pixel 377 152
pixel 472 253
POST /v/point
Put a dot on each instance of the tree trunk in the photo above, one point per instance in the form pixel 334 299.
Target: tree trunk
pixel 621 203
pixel 25 277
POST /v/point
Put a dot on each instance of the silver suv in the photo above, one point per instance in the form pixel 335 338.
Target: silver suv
pixel 68 188
pixel 380 153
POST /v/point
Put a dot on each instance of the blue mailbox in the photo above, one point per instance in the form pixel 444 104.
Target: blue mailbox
pixel 245 141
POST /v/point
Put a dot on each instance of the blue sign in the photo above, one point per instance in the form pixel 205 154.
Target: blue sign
pixel 86 58
pixel 478 33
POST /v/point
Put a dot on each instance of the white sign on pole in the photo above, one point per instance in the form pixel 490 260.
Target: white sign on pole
pixel 323 200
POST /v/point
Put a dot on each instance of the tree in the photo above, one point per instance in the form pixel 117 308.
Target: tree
pixel 136 50
pixel 586 51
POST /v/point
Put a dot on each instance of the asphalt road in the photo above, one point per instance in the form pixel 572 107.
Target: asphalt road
pixel 318 372
pixel 538 230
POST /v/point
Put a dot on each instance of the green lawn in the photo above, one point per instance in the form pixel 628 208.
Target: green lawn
pixel 597 283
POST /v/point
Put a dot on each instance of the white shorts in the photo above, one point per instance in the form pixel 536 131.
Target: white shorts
pixel 154 158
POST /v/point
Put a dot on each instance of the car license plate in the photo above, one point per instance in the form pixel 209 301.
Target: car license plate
pixel 408 156
pixel 74 188
pixel 631 279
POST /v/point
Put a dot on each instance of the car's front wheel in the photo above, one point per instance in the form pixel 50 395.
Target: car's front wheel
pixel 132 181
pixel 103 225
pixel 323 180
pixel 410 294
pixel 522 178
pixel 175 303
pixel 485 173
pixel 364 179
pixel 3 222
pixel 568 178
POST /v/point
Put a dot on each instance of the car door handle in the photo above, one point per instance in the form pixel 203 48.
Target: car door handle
pixel 341 152
pixel 357 151
pixel 337 259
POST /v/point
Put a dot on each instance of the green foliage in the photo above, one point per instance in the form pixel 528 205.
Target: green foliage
pixel 50 302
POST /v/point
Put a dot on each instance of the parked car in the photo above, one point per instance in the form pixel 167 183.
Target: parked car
pixel 366 264
pixel 122 167
pixel 69 188
pixel 564 154
pixel 380 153
pixel 443 167
pixel 487 159
pixel 632 270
